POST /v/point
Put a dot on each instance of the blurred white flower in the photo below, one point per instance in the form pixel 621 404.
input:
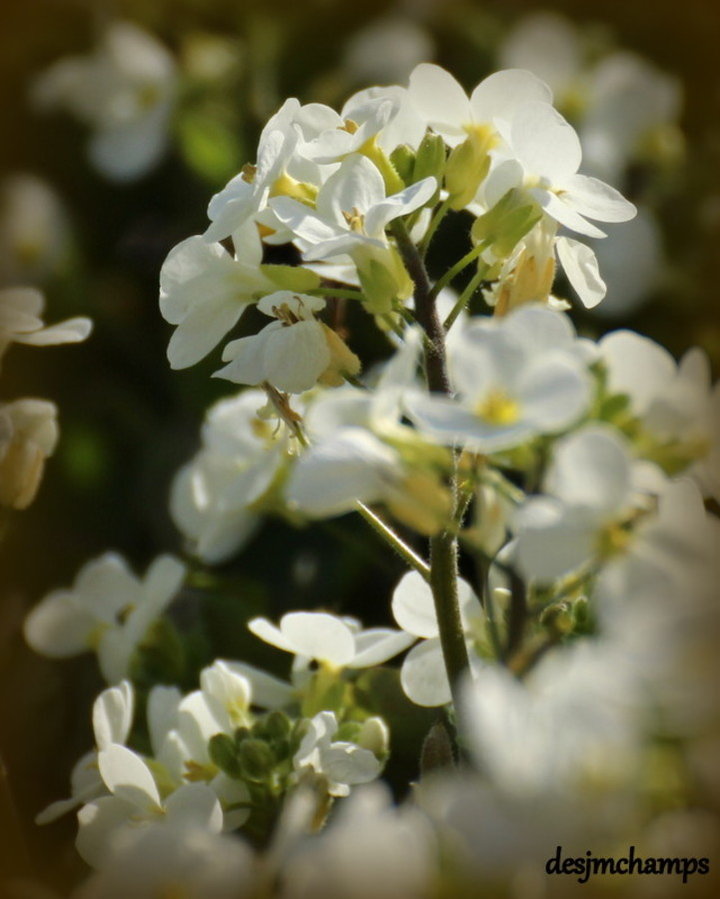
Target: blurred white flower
pixel 35 231
pixel 28 435
pixel 675 402
pixel 124 90
pixel 108 610
pixel 514 378
pixel 21 309
pixel 386 50
pixel 632 264
pixel 591 495
pixel 157 860
pixel 370 847
pixel 213 498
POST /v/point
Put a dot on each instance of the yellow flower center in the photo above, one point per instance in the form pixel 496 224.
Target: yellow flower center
pixel 497 408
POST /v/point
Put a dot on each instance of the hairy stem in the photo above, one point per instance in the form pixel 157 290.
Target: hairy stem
pixel 443 546
pixel 397 543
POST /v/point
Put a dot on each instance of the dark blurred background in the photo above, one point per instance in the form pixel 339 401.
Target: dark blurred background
pixel 127 421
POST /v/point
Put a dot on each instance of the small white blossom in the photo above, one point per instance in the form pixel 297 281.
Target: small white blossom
pixel 20 321
pixel 112 716
pixel 213 498
pixel 336 642
pixel 28 436
pixel 135 802
pixel 124 91
pixel 204 291
pixel 108 609
pixel 343 764
pixel 292 353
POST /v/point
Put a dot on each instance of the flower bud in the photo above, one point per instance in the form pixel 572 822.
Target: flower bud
pixel 375 736
pixel 255 759
pixel 403 160
pixel 223 753
pixel 430 158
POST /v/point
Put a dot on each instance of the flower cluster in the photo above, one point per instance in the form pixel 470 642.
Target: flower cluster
pixel 570 474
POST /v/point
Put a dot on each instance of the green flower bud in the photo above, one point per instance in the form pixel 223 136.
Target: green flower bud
pixel 255 758
pixel 274 725
pixel 403 160
pixel 223 753
pixel 430 158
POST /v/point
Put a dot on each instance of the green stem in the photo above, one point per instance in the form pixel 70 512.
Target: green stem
pixel 461 264
pixel 464 298
pixel 397 543
pixel 438 216
pixel 347 293
pixel 443 546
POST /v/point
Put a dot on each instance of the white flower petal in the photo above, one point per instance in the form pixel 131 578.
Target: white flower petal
pixel 581 267
pixel 413 607
pixel 318 635
pixel 128 777
pixel 112 715
pixel 423 676
pixel 376 645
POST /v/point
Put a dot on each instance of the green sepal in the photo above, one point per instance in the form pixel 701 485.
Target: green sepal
pixel 291 277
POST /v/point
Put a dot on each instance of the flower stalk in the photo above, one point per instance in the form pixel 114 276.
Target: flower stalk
pixel 443 546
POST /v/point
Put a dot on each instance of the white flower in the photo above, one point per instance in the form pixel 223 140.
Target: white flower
pixel 514 378
pixel 349 218
pixel 124 90
pixel 108 609
pixel 181 728
pixel 545 155
pixel 675 403
pixel 282 166
pixel 451 113
pixel 423 675
pixel 28 436
pixel 135 802
pixel 386 50
pixel 335 642
pixel 343 764
pixel 330 478
pixel 370 847
pixel 20 321
pixel 112 718
pixel 213 497
pixel 35 232
pixel 293 352
pixel 591 496
pixel 204 291
pixel 572 723
pixel 547 45
pixel 629 103
pixel 163 861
